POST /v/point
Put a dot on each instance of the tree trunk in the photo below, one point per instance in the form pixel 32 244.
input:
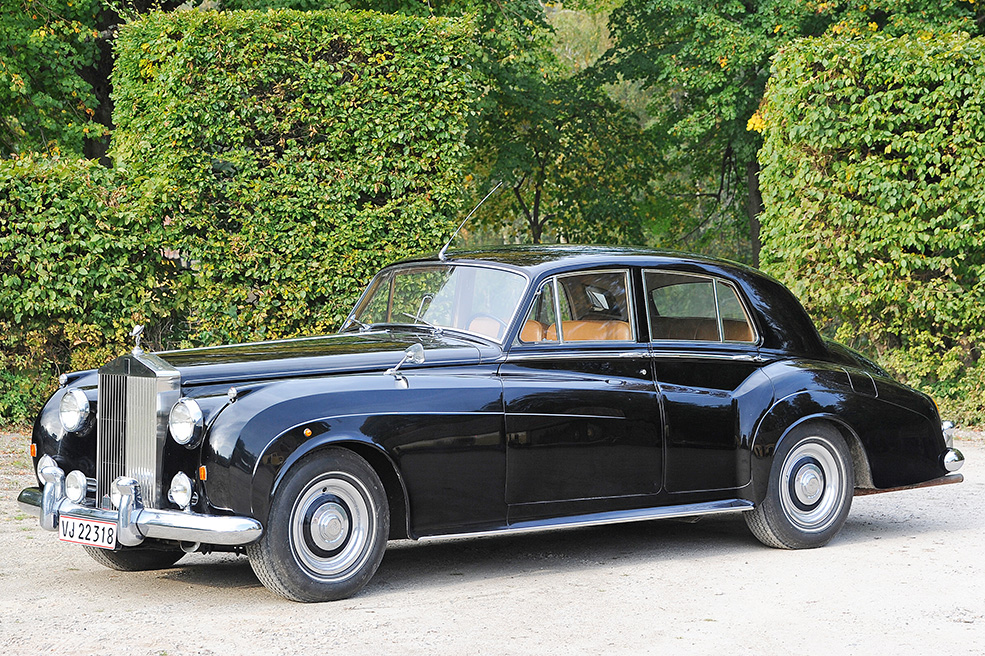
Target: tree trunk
pixel 754 207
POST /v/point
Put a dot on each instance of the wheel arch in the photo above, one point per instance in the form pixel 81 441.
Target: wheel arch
pixel 373 454
pixel 767 440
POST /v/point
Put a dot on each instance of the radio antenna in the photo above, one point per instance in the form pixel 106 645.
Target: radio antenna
pixel 441 253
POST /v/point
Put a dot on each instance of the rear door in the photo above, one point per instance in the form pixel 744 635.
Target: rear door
pixel 704 349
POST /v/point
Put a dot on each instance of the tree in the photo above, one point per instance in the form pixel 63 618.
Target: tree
pixel 712 60
pixel 55 63
pixel 575 163
pixel 45 104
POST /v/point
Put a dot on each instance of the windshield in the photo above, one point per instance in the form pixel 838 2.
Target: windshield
pixel 475 299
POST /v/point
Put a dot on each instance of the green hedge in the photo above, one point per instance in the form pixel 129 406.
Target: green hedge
pixel 77 271
pixel 290 154
pixel 874 183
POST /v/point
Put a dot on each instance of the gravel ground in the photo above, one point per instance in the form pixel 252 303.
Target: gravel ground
pixel 905 576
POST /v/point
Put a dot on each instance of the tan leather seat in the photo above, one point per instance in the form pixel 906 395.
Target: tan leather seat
pixel 532 331
pixel 486 326
pixel 704 330
pixel 736 331
pixel 592 331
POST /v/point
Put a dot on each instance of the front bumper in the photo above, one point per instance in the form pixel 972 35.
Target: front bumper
pixel 134 522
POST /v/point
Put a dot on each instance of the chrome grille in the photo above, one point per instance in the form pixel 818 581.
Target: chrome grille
pixel 136 393
pixel 110 431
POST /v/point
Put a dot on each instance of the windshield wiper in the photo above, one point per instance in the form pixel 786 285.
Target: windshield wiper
pixel 422 320
pixel 363 327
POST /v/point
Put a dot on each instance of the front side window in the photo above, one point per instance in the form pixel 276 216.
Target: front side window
pixel 476 299
pixel 694 308
pixel 592 306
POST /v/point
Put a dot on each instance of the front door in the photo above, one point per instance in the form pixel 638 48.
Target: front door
pixel 582 412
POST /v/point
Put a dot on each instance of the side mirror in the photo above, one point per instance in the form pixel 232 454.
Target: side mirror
pixel 414 354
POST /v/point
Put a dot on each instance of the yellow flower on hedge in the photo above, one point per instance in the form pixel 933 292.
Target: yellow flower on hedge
pixel 756 123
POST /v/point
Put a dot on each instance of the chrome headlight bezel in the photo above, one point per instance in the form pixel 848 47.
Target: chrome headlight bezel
pixel 74 410
pixel 186 423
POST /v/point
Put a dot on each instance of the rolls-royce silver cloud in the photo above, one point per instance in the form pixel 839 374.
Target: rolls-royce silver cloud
pixel 476 393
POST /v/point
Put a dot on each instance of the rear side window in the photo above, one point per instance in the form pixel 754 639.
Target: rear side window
pixel 695 308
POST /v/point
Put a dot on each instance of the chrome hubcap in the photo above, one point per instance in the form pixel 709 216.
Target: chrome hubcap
pixel 808 483
pixel 812 485
pixel 331 526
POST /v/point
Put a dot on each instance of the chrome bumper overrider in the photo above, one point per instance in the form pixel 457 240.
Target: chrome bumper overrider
pixel 133 521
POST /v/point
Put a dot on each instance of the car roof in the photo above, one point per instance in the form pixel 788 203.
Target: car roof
pixel 541 258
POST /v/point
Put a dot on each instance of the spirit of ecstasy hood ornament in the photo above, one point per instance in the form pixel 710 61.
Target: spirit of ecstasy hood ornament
pixel 136 334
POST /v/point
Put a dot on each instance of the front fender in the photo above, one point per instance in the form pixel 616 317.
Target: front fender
pixel 255 440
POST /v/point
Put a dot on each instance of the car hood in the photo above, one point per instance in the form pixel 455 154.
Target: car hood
pixel 331 354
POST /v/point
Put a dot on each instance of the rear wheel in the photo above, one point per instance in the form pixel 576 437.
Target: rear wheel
pixel 810 490
pixel 135 560
pixel 327 529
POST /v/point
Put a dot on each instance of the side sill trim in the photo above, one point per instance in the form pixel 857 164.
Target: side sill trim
pixel 616 517
pixel 950 479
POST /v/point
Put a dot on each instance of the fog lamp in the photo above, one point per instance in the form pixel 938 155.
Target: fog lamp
pixel 73 411
pixel 181 490
pixel 75 486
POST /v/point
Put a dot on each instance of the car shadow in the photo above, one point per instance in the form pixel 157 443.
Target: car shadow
pixel 438 563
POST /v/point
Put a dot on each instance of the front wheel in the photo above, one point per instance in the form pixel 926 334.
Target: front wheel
pixel 327 529
pixel 810 490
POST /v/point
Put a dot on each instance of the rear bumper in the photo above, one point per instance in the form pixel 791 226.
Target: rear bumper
pixel 943 480
pixel 134 522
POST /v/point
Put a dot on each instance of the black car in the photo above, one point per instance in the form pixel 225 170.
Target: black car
pixel 478 393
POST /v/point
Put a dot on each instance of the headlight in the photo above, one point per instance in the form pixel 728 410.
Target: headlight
pixel 181 490
pixel 185 422
pixel 75 486
pixel 73 410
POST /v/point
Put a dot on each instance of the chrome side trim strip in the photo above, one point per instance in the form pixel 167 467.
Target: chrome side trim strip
pixel 616 517
pixel 706 356
pixel 581 355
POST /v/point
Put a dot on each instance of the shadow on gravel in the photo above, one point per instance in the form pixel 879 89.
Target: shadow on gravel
pixel 436 564
pixel 219 571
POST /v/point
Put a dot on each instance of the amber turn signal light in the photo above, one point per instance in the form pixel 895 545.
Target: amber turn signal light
pixel 202 475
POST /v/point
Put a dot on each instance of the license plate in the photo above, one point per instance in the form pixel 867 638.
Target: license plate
pixel 94 533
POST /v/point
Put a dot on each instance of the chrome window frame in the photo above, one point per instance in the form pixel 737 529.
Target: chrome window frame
pixel 715 280
pixel 447 265
pixel 553 279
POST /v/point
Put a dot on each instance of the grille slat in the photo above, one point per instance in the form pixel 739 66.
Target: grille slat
pixel 135 394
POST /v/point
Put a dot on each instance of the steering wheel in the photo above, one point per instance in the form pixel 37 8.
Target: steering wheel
pixel 500 331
